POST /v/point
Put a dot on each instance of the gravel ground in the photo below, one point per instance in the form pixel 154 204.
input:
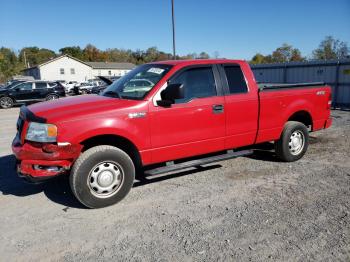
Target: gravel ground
pixel 251 208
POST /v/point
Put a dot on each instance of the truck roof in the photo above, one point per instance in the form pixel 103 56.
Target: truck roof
pixel 198 61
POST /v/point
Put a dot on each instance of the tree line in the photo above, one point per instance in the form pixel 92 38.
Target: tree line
pixel 328 49
pixel 12 62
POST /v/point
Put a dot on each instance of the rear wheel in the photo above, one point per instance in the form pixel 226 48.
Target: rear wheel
pixel 6 102
pixel 102 176
pixel 52 97
pixel 293 142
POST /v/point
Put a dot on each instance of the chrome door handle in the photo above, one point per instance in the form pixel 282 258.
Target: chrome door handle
pixel 218 109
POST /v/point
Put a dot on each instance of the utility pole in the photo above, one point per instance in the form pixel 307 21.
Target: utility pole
pixel 173 22
pixel 25 59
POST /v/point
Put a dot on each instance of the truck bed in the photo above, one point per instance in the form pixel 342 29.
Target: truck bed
pixel 278 102
pixel 269 86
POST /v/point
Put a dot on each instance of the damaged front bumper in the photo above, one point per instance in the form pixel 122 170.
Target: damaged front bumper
pixel 37 162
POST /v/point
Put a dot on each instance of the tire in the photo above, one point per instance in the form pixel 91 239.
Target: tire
pixel 293 142
pixel 52 97
pixel 83 92
pixel 102 176
pixel 6 102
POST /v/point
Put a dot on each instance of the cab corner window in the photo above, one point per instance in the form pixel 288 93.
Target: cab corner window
pixel 197 83
pixel 235 79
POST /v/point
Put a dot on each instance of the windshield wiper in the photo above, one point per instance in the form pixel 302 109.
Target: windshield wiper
pixel 112 93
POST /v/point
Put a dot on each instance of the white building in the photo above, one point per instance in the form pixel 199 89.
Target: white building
pixel 110 68
pixel 69 68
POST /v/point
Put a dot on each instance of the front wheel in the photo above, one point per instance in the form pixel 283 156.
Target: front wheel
pixel 6 102
pixel 102 176
pixel 293 142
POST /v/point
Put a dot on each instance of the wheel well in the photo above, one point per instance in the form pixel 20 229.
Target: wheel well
pixel 113 140
pixel 302 117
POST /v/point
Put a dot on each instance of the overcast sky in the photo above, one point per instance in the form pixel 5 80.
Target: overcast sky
pixel 235 29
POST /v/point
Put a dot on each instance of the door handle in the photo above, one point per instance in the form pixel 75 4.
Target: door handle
pixel 218 109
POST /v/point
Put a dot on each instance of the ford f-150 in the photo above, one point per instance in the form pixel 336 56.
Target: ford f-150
pixel 162 117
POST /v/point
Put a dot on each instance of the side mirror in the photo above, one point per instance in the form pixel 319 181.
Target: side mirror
pixel 170 93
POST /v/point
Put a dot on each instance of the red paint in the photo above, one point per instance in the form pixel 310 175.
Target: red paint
pixel 181 130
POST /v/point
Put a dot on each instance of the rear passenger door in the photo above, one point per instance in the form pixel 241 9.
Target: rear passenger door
pixel 40 91
pixel 193 125
pixel 241 107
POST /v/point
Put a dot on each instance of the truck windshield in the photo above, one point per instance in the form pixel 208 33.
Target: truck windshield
pixel 138 82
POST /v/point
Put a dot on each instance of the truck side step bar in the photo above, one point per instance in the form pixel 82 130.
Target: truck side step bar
pixel 171 166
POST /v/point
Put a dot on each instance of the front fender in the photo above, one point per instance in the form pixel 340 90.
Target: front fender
pixel 135 130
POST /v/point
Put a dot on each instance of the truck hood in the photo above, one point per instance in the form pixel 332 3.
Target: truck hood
pixel 81 107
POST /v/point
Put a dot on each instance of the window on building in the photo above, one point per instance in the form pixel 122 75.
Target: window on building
pixel 72 71
pixel 62 71
pixel 197 82
pixel 235 79
pixel 40 85
pixel 109 72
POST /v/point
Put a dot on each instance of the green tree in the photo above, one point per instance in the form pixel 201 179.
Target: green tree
pixel 258 59
pixel 331 48
pixel 35 55
pixel 119 55
pixel 286 53
pixel 9 64
pixel 203 55
pixel 74 51
pixel 282 54
pixel 93 54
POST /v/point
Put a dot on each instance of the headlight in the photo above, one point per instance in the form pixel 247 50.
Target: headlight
pixel 38 132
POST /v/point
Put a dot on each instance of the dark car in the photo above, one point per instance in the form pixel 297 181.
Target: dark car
pixel 106 83
pixel 29 92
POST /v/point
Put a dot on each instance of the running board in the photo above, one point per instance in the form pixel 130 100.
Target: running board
pixel 170 166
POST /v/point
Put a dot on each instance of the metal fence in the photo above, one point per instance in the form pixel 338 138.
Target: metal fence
pixel 335 73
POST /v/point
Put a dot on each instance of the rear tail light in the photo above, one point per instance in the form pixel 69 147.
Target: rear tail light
pixel 329 104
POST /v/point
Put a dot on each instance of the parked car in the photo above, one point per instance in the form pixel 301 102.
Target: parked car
pixel 69 87
pixel 83 88
pixel 105 82
pixel 22 92
pixel 195 113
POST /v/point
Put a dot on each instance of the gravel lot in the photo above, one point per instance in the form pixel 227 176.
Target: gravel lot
pixel 251 208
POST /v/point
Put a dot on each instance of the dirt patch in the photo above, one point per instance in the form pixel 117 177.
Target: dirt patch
pixel 247 209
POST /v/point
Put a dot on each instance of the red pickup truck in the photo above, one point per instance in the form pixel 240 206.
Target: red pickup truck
pixel 161 117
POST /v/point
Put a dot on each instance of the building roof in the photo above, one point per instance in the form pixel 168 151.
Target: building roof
pixel 54 59
pixel 110 65
pixel 95 65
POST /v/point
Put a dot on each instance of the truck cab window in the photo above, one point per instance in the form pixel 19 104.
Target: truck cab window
pixel 235 79
pixel 198 83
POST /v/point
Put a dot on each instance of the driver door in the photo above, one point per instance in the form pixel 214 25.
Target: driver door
pixel 23 92
pixel 193 125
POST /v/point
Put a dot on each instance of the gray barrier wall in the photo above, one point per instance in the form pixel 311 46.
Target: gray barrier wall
pixel 335 73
